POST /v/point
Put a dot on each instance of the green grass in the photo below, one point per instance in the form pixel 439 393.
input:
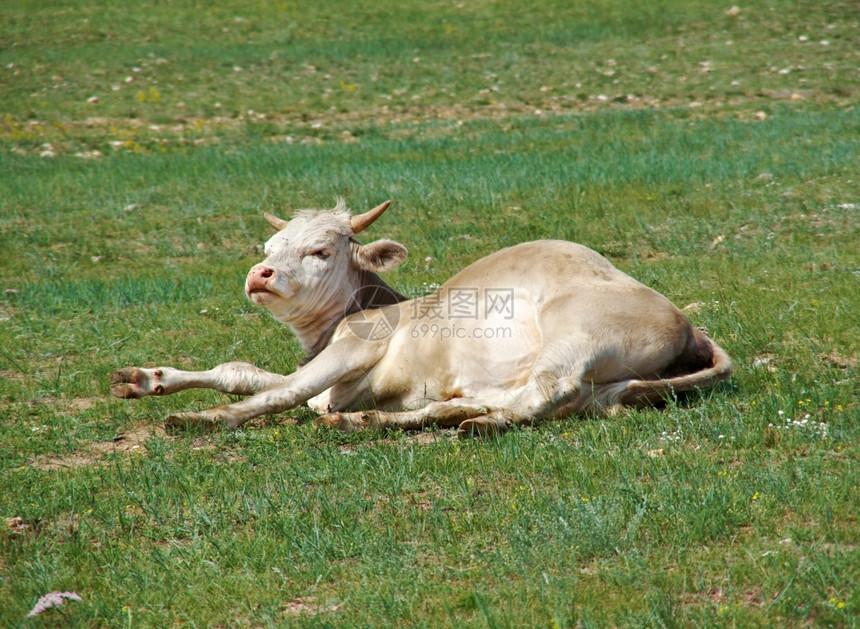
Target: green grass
pixel 712 156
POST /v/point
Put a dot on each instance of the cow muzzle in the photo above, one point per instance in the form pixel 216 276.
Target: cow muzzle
pixel 257 284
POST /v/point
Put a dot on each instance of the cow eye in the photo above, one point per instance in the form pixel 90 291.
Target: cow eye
pixel 322 254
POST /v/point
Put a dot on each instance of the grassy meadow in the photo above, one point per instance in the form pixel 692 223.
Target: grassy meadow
pixel 711 152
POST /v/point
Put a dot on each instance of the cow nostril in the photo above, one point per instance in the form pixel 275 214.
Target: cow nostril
pixel 265 272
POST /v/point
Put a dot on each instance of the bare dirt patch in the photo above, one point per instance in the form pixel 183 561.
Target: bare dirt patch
pixel 79 404
pixel 431 436
pixel 424 438
pixel 839 360
pixel 132 441
pixel 715 596
pixel 14 526
pixel 75 405
pixel 8 374
pixel 307 606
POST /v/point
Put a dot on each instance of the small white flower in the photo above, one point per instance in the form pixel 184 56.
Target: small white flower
pixel 52 599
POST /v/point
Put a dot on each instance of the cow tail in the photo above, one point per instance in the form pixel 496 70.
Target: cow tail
pixel 650 392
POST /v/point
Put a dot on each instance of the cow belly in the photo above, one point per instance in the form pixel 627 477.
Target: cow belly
pixel 439 359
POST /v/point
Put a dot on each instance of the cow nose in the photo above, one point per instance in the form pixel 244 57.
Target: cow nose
pixel 258 279
pixel 263 272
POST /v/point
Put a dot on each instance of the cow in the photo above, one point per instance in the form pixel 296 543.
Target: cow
pixel 538 330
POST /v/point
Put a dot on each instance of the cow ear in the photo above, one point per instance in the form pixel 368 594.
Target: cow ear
pixel 379 255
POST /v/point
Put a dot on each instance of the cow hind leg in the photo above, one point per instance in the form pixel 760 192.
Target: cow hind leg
pixel 712 365
pixel 542 397
pixel 533 402
pixel 473 418
pixel 538 399
pixel 441 414
pixel 236 378
pixel 471 421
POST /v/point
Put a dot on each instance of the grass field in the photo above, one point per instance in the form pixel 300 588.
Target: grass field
pixel 712 153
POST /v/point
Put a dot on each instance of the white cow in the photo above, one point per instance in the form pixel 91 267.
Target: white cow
pixel 538 330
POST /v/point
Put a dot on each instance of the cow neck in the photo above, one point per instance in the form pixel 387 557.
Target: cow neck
pixel 314 329
pixel 371 292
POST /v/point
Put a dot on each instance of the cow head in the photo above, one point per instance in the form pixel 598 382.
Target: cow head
pixel 314 265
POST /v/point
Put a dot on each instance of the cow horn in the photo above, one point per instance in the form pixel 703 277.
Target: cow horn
pixel 362 221
pixel 274 221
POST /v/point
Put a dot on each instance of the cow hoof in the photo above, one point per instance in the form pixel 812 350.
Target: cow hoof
pixel 331 420
pixel 128 383
pixel 347 422
pixel 134 382
pixel 340 421
pixel 482 427
pixel 615 410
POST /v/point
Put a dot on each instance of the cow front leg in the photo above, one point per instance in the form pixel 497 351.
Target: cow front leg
pixel 212 419
pixel 338 361
pixel 232 416
pixel 236 378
